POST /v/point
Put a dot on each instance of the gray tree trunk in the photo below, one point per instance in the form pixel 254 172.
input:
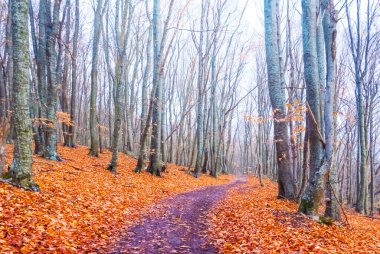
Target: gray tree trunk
pixel 4 122
pixel 118 79
pixel 199 132
pixel 286 184
pixel 51 138
pixel 314 193
pixel 156 165
pixel 21 167
pixel 35 107
pixel 66 70
pixel 146 111
pixel 94 135
pixel 74 71
pixel 41 60
pixel 330 33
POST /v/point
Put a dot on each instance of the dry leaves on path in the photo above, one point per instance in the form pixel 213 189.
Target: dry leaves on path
pixel 253 220
pixel 82 207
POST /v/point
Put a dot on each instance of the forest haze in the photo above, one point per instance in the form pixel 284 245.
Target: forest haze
pixel 285 90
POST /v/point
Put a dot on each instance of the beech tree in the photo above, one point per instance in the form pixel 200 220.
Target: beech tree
pixel 314 191
pixel 330 34
pixel 20 171
pixel 74 80
pixel 122 27
pixel 160 35
pixel 52 27
pixel 286 186
pixel 94 132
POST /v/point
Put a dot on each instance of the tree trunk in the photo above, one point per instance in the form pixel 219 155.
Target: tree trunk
pixel 35 108
pixel 305 161
pixel 277 96
pixel 65 79
pixel 74 123
pixel 4 122
pixel 21 167
pixel 330 33
pixel 118 80
pixel 41 60
pixel 156 165
pixel 315 188
pixel 146 111
pixel 51 138
pixel 363 170
pixel 94 148
pixel 199 132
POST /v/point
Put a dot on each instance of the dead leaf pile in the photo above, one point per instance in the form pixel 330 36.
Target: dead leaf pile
pixel 253 220
pixel 83 207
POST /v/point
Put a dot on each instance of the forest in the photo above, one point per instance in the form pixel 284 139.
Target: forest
pixel 189 126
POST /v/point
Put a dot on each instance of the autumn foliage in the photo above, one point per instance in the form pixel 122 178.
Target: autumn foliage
pixel 82 206
pixel 252 220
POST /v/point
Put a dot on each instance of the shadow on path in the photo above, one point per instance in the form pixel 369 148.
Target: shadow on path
pixel 177 224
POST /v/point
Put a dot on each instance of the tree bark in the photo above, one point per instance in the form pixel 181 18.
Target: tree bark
pixel 118 81
pixel 51 139
pixel 314 193
pixel 74 71
pixel 94 148
pixel 21 167
pixel 286 184
pixel 199 132
pixel 330 33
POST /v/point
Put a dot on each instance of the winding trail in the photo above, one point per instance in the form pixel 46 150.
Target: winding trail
pixel 177 224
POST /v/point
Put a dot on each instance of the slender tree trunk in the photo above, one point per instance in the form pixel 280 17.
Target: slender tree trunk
pixel 74 123
pixel 199 132
pixel 156 165
pixel 119 76
pixel 321 55
pixel 372 166
pixel 51 127
pixel 305 161
pixel 330 33
pixel 9 69
pixel 286 184
pixel 36 113
pixel 65 79
pixel 41 60
pixel 363 169
pixel 4 122
pixel 94 148
pixel 146 111
pixel 144 91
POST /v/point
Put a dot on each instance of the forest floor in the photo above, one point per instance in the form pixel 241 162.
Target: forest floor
pixel 252 220
pixel 178 224
pixel 82 207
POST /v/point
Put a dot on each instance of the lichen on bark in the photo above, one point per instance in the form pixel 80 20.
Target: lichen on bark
pixel 21 167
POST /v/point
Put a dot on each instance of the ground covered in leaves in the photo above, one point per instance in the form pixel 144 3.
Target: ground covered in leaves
pixel 82 207
pixel 178 224
pixel 253 220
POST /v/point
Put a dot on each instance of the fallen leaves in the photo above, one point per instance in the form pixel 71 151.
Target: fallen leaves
pixel 82 207
pixel 253 220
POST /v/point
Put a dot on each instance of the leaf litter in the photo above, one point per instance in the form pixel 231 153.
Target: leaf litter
pixel 252 220
pixel 83 208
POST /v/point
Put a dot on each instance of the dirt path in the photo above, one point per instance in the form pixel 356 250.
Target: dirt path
pixel 177 224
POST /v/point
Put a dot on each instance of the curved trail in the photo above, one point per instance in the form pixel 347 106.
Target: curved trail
pixel 177 224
